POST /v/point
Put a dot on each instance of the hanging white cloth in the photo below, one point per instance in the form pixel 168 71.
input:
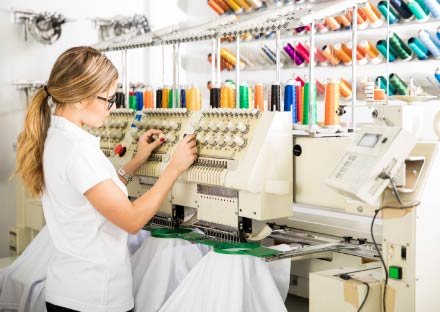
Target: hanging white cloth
pixel 24 279
pixel 233 283
pixel 22 284
pixel 159 266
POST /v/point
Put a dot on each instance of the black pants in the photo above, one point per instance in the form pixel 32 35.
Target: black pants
pixel 54 308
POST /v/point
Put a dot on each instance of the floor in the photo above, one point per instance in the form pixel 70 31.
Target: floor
pixel 297 304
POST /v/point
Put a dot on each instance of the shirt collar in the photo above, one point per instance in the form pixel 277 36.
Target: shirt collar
pixel 58 122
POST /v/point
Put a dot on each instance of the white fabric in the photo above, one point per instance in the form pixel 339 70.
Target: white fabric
pixel 136 240
pixel 24 280
pixel 280 270
pixel 233 283
pixel 91 270
pixel 22 284
pixel 159 266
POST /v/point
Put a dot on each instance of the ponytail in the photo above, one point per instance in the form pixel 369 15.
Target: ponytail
pixel 30 145
pixel 78 74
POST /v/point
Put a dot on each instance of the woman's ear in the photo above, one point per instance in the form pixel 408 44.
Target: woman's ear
pixel 80 105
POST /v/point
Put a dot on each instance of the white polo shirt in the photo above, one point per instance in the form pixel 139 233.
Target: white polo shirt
pixel 91 270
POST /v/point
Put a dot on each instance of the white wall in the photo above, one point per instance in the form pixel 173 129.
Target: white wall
pixel 20 60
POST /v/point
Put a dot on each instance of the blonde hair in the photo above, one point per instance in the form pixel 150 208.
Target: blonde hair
pixel 78 74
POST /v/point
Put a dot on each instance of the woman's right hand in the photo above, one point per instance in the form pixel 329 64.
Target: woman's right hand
pixel 185 154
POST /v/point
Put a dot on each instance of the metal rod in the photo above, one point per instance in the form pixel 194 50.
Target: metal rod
pixel 218 60
pixel 353 67
pixel 213 60
pixel 163 66
pixel 278 39
pixel 179 61
pixel 237 71
pixel 387 78
pixel 311 73
pixel 125 83
pixel 174 75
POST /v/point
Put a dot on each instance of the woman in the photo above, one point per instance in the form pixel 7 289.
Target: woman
pixel 84 198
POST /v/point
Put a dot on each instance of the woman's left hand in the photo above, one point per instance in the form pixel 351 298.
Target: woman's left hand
pixel 147 143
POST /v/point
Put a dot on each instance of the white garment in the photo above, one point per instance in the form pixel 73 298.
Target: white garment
pixel 91 270
pixel 24 280
pixel 233 283
pixel 159 266
pixel 23 283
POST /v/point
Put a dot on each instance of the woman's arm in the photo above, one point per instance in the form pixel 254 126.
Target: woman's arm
pixel 109 200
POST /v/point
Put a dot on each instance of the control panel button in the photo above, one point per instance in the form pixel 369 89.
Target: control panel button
pixel 174 125
pixel 239 141
pixel 213 126
pixel 222 126
pixel 229 141
pixel 241 127
pixel 231 127
pixel 170 137
pixel 220 140
pixel 210 139
pixel 119 150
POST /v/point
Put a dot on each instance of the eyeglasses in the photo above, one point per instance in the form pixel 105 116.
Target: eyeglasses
pixel 111 100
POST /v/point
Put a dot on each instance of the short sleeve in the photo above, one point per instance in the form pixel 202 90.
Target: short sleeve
pixel 86 167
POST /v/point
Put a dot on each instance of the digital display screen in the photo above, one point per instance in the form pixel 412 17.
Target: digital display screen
pixel 369 140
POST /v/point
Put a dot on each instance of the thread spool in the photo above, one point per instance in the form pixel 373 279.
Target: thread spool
pixel 342 55
pixel 345 89
pixel 275 97
pixel 373 15
pixel 398 84
pixel 214 97
pixel 197 98
pixel 165 96
pixel 318 55
pixel 290 99
pixel 300 80
pixel 332 23
pixel 361 55
pixel 231 58
pixel 423 6
pixel 259 97
pixel 132 100
pixel 332 102
pixel 244 96
pixel 183 97
pixel 300 30
pixel 256 4
pixel 418 11
pixel 159 98
pixel 215 7
pixel 329 54
pixel 419 49
pixel 139 100
pixel 372 53
pixel 322 28
pixel 299 102
pixel 402 9
pixel 303 52
pixel 437 74
pixel 269 53
pixel 362 20
pixel 434 7
pixel 148 98
pixel 171 98
pixel 343 20
pixel 306 106
pixel 120 99
pixel 221 3
pixel 382 83
pixel 426 38
pixel 390 14
pixel 320 88
pixel 234 6
pixel 295 57
pixel 231 102
pixel 382 47
pixel 402 50
pixel 244 5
